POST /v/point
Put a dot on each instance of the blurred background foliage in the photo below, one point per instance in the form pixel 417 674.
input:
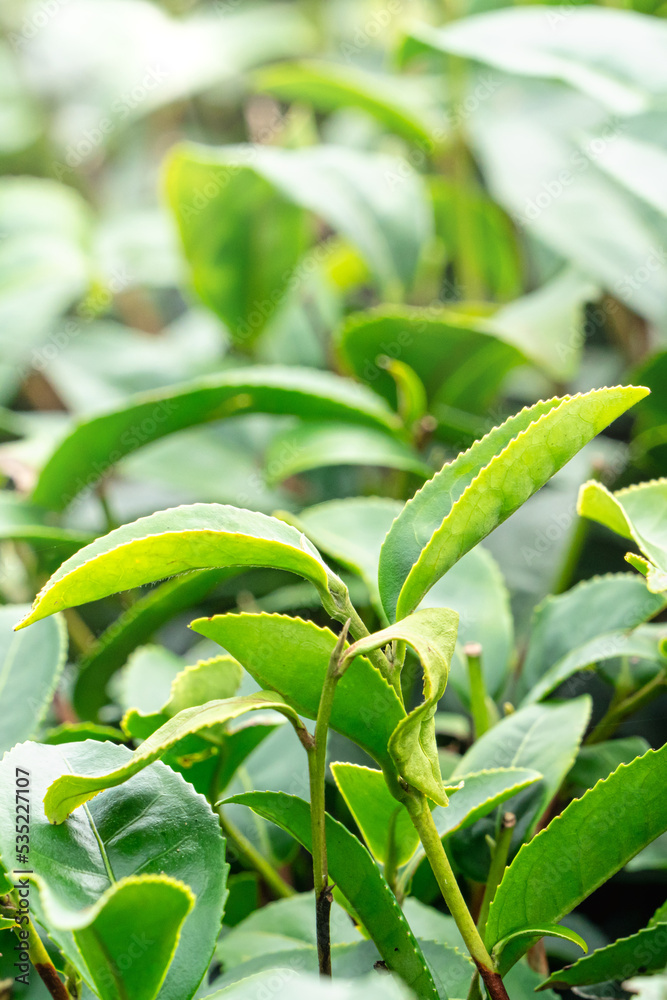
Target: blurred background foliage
pixel 462 206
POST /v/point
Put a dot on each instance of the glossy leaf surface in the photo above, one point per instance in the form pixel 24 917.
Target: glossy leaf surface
pixel 479 489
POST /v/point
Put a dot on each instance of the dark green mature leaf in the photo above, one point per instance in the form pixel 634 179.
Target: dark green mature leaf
pixel 474 493
pixel 636 513
pixel 98 443
pixel 215 191
pixel 352 869
pixel 175 541
pixel 315 446
pixel 461 360
pixel 432 634
pixel 101 934
pixel 72 790
pixel 135 626
pixel 645 951
pixel 328 87
pixel 30 667
pixel 596 761
pixel 638 645
pixel 566 623
pixel 594 837
pixel 155 824
pixel 291 656
pixel 543 737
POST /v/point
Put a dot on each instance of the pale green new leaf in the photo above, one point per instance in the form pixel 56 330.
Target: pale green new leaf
pixel 207 680
pixel 72 790
pixel 30 667
pixel 432 634
pixel 291 656
pixel 592 839
pixel 636 513
pixel 479 489
pixel 101 934
pixel 174 541
pixel 97 443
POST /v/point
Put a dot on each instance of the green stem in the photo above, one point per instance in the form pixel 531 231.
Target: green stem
pixel 478 696
pixel 338 605
pixel 497 868
pixel 255 860
pixel 391 862
pixel 317 762
pixel 37 953
pixel 420 814
pixel 610 722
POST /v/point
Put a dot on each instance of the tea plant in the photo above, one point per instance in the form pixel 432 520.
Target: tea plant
pixel 359 689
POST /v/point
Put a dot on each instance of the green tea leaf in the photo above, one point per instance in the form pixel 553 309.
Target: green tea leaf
pixel 72 790
pixel 291 656
pixel 214 192
pixel 30 667
pixel 645 951
pixel 564 624
pixel 507 952
pixel 639 645
pixel 206 680
pixel 96 444
pixel 596 761
pixel 282 925
pixel 134 830
pixel 175 541
pixel 594 837
pixel 135 626
pixel 479 794
pixel 526 43
pixel 316 446
pixel 354 872
pixel 544 737
pixel 329 87
pixel 479 489
pixel 385 823
pixel 413 747
pixel 101 933
pixel 636 513
pixel 375 809
pixel 351 531
pixel 461 360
